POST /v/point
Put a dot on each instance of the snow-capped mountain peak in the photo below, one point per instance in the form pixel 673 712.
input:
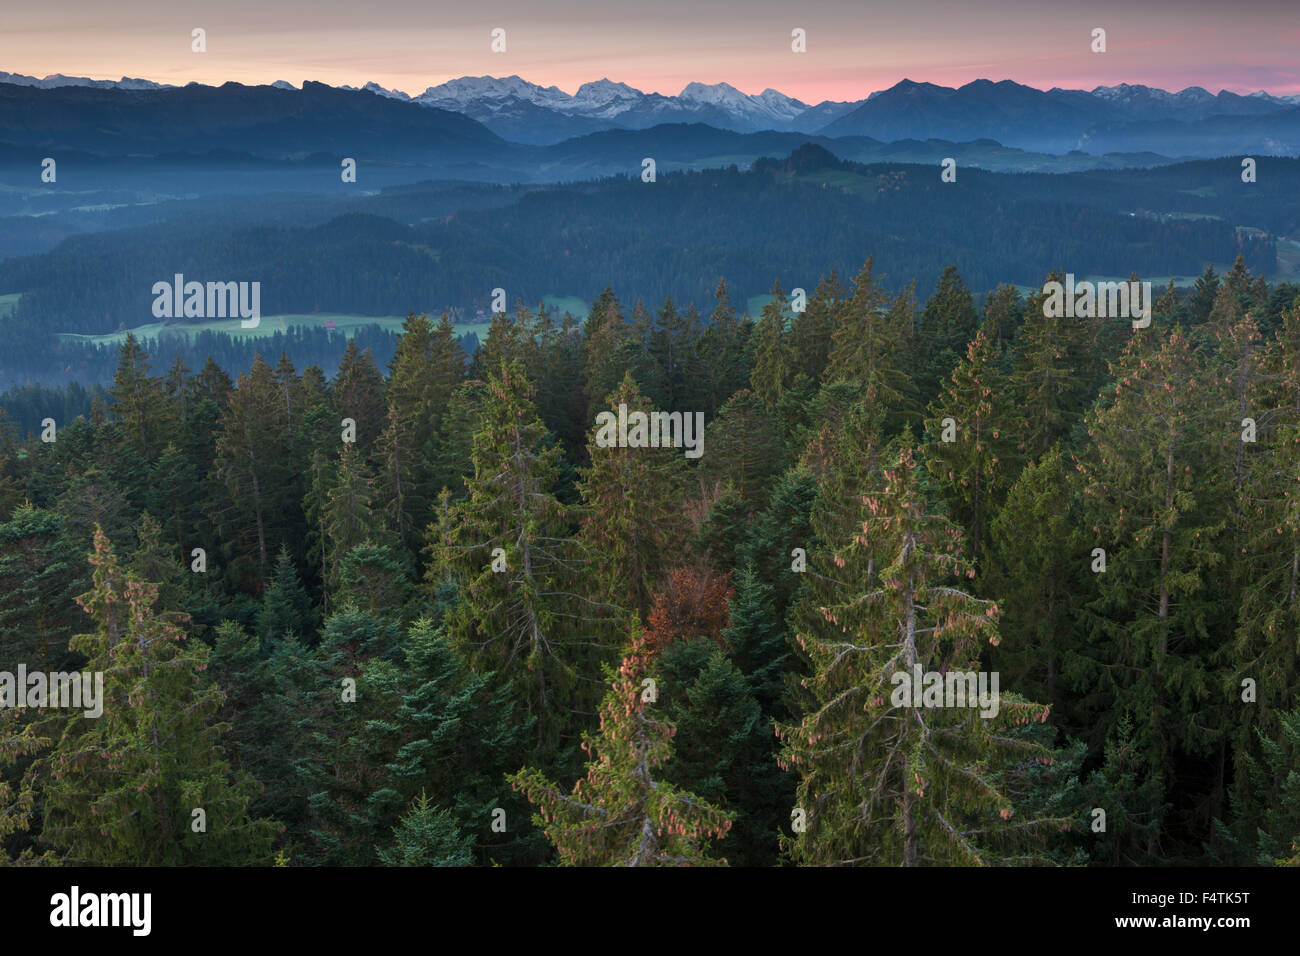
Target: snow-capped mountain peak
pixel 380 91
pixel 766 110
pixel 58 79
pixel 1127 91
pixel 468 89
pixel 778 102
pixel 715 94
pixel 601 92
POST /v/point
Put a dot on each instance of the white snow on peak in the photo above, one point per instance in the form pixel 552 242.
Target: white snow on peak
pixel 711 93
pixel 777 101
pixel 602 92
pixel 469 89
pixel 391 94
pixel 1128 91
pixel 58 79
pixel 603 99
pixel 765 108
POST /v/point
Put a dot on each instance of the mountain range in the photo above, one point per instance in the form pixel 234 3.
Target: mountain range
pixel 1106 118
pixel 1054 120
pixel 1014 114
pixel 525 112
pixel 511 131
pixel 58 79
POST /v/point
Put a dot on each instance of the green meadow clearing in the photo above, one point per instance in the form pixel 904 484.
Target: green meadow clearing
pixel 1288 258
pixel 1288 267
pixel 270 324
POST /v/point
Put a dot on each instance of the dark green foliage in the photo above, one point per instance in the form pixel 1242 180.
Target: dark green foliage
pixel 428 836
pixel 947 324
pixel 40 575
pixel 1273 782
pixel 759 645
pixel 452 735
pixel 721 534
pixel 724 748
pixel 784 525
pixel 286 608
pixel 741 446
pixel 148 781
pixel 386 628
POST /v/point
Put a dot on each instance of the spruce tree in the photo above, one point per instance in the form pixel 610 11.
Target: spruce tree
pixel 882 779
pixel 947 324
pixel 1155 481
pixel 40 575
pixel 867 345
pixel 452 736
pixel 1274 779
pixel 1046 382
pixel 975 469
pixel 631 510
pixel 677 371
pixel 123 788
pixel 286 608
pixel 723 750
pixel 1130 796
pixel 1204 292
pixel 1267 564
pixel 777 531
pixel 452 461
pixel 811 330
pixel 349 516
pixel 722 348
pixel 758 643
pixel 742 446
pixel 517 565
pixel 139 405
pixel 1039 567
pixel 1002 314
pixel 376 578
pixel 428 836
pixel 623 813
pixel 771 372
pixel 719 537
pixel 252 465
pixel 177 497
pixel 357 392
pixel 428 364
pixel 335 766
pixel 606 352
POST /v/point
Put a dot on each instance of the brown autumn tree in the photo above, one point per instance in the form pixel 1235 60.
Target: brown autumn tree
pixel 692 603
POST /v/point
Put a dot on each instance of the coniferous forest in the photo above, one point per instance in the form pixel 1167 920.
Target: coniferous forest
pixel 415 612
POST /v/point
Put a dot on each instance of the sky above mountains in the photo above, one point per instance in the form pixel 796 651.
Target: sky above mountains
pixel 853 47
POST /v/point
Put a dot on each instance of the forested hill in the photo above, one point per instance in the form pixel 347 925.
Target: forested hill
pixel 788 220
pixel 395 618
pixel 257 119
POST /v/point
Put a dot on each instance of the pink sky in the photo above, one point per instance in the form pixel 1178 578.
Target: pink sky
pixel 854 46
